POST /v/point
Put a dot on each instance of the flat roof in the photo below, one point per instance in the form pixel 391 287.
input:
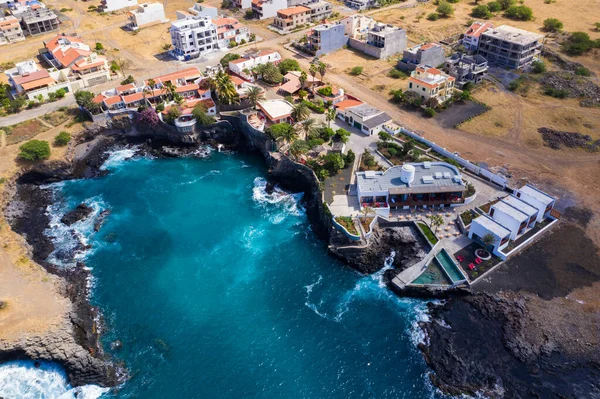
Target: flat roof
pixel 377 120
pixel 510 211
pixel 520 205
pixel 513 35
pixel 537 194
pixel 364 110
pixel 492 226
pixel 276 109
pixel 430 177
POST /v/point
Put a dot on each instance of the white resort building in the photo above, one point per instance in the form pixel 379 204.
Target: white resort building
pixel 423 184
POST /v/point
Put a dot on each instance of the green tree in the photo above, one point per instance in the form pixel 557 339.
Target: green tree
pixel 202 118
pixel 279 130
pixel 326 133
pixel 224 87
pixel 506 4
pixel 35 150
pixel 350 157
pixel 308 126
pixel 313 69
pixel 63 138
pixel 228 58
pixel 330 116
pixel 299 147
pixel 254 94
pixel 552 25
pixel 579 43
pixel 302 94
pixel 334 162
pixel 385 136
pixel 173 113
pixel 538 66
pixel 342 135
pixel 429 112
pixel 445 9
pixel 436 221
pixel 300 112
pixel 303 77
pixel 288 65
pixel 519 13
pixel 322 68
pixel 85 99
pixel 271 74
pixel 481 11
pixel 494 6
pixel 129 79
pixel 99 46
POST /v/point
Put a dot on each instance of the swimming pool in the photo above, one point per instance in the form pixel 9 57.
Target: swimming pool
pixel 433 274
pixel 449 266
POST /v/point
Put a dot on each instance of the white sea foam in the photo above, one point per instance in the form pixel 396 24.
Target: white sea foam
pixel 70 241
pixel 117 157
pixel 278 204
pixel 21 379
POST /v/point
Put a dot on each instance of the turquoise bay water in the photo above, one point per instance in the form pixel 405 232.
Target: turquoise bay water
pixel 219 290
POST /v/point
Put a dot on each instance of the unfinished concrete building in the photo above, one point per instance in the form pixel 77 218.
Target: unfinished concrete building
pixel 466 68
pixel 511 47
pixel 38 21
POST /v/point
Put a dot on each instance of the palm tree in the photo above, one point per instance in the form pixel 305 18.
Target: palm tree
pixel 171 89
pixel 437 221
pixel 149 88
pixel 313 71
pixel 322 67
pixel 300 112
pixel 330 116
pixel 254 94
pixel 308 126
pixel 224 88
pixel 303 77
pixel 289 135
pixel 488 240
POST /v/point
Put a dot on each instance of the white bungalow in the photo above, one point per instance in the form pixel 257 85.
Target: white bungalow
pixel 538 199
pixel 510 217
pixel 484 225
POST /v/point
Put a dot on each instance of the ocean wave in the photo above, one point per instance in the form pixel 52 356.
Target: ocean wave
pixel 118 157
pixel 278 204
pixel 21 379
pixel 71 243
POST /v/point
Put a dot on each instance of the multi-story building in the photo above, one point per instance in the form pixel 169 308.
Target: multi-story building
pixel 431 83
pixel 360 4
pixel 357 26
pixel 10 30
pixel 230 29
pixel 114 5
pixel 205 10
pixel 243 66
pixel 193 37
pixel 319 10
pixel 147 14
pixel 38 21
pixel 242 4
pixel 326 38
pixel 471 37
pixel 267 8
pixel 289 18
pixel 28 80
pixel 369 120
pixel 466 68
pixel 381 41
pixel 422 184
pixel 510 47
pixel 423 54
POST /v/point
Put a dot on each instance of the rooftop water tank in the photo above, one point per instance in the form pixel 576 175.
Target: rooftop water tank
pixel 408 174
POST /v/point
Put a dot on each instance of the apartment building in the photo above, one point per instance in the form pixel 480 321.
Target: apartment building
pixel 242 66
pixel 205 10
pixel 10 30
pixel 319 10
pixel 466 68
pixel 511 47
pixel 242 4
pixel 431 83
pixel 381 41
pixel 147 14
pixel 290 18
pixel 114 5
pixel 264 9
pixel 357 26
pixel 193 37
pixel 471 37
pixel 326 38
pixel 423 54
pixel 360 4
pixel 230 29
pixel 38 21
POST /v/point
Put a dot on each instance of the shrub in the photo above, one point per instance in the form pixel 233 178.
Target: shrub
pixel 582 71
pixel 552 25
pixel 129 79
pixel 312 143
pixel 325 91
pixel 397 95
pixel 505 4
pixel 35 150
pixel 271 74
pixel 227 58
pixel 279 130
pixel 538 67
pixel 326 133
pixel 429 112
pixel 202 118
pixel 434 16
pixel 342 135
pixel 172 114
pixel 334 162
pixel 556 93
pixel 249 14
pixel 481 11
pixel 494 6
pixel 288 65
pixel 350 157
pixel 519 13
pixel 99 46
pixel 149 116
pixel 396 74
pixel 62 139
pixel 445 9
pixel 60 93
pixel 579 43
pixel 319 109
pixel 357 70
pixel 392 152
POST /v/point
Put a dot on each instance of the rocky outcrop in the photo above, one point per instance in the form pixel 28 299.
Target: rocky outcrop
pixel 81 212
pixel 406 244
pixel 574 86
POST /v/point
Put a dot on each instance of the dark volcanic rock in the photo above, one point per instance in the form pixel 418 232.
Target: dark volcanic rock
pixel 101 218
pixel 81 212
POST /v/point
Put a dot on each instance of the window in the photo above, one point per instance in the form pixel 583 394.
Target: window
pixel 410 85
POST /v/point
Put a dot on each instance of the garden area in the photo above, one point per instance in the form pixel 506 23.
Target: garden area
pixel 348 224
pixel 536 229
pixel 466 257
pixel 368 162
pixel 24 131
pixel 428 233
pixel 398 153
pixel 468 216
pixel 485 208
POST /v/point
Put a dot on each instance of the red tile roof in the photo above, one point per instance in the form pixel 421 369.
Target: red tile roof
pixel 427 46
pixel 99 98
pixel 133 97
pixel 236 80
pixel 342 105
pixel 478 28
pixel 34 84
pixel 184 88
pixel 187 74
pixel 288 12
pixel 127 87
pixel 30 77
pixel 113 100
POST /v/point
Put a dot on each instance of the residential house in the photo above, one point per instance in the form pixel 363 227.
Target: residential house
pixel 423 54
pixel 267 8
pixel 357 26
pixel 471 37
pixel 337 95
pixel 360 4
pixel 242 87
pixel 242 4
pixel 381 41
pixel 538 199
pixel 10 30
pixel 114 5
pixel 369 120
pixel 484 225
pixel 466 68
pixel 243 66
pixel 511 47
pixel 27 79
pixel 291 82
pixel 431 83
pixel 193 37
pixel 422 184
pixel 289 18
pixel 147 14
pixel 326 38
pixel 319 10
pixel 276 111
pixel 230 30
pixel 78 62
